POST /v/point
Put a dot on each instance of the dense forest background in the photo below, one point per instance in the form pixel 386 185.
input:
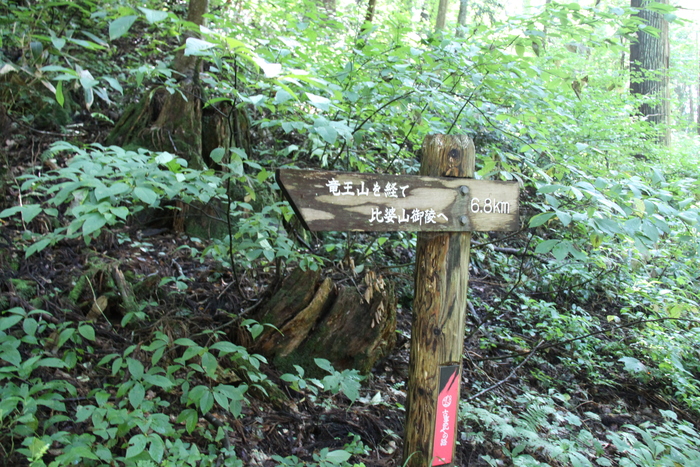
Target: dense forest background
pixel 145 246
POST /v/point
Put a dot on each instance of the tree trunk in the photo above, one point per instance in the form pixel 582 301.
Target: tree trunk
pixel 441 15
pixel 161 121
pixel 367 24
pixel 369 15
pixel 170 122
pixel 462 18
pixel 649 63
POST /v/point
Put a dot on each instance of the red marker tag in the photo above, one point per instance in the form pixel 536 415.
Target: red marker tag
pixel 446 415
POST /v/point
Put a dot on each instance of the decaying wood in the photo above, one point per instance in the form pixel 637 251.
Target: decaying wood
pixel 347 337
pixel 341 201
pixel 295 294
pixel 313 320
pixel 439 307
pixel 294 332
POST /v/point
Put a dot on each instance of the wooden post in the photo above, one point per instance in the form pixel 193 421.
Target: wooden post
pixel 439 309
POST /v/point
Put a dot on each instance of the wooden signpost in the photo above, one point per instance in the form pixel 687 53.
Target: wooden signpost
pixel 444 205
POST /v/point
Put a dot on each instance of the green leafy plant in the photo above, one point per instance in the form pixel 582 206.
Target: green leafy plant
pixel 346 381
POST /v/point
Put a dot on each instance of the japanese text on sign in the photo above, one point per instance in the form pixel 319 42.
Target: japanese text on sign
pixel 388 215
pixel 390 190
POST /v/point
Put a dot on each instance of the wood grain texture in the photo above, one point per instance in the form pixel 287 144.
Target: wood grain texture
pixel 439 307
pixel 343 201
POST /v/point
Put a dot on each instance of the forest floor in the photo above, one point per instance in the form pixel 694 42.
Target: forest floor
pixel 301 424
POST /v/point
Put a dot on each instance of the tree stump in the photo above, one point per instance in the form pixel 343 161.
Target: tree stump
pixel 315 318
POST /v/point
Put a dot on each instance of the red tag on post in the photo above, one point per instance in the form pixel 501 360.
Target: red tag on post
pixel 446 415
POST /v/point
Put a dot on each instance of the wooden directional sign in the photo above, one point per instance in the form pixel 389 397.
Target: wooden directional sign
pixel 444 205
pixel 343 201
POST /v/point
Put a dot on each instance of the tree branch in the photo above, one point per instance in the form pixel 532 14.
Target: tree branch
pixel 512 373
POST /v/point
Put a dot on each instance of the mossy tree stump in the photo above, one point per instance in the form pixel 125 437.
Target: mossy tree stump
pixel 177 122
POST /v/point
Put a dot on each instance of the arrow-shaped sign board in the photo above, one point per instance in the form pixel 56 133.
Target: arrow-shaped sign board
pixel 344 201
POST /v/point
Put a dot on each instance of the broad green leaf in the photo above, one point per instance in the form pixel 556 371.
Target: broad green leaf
pixel 257 100
pixel 86 79
pixel 137 444
pixel 256 330
pixel 236 162
pixel 157 447
pixel 546 246
pixel 186 342
pixel 93 222
pixel 146 195
pixel 158 380
pixel 96 39
pixel 102 398
pixel 28 211
pixel 324 364
pixel 87 331
pixel 338 456
pixel 226 347
pixel 58 42
pixel 217 154
pixel 75 453
pixel 194 46
pixel 64 336
pixel 59 94
pixel 7 322
pixel 196 393
pixel 206 402
pixel 30 326
pixel 89 94
pixel 282 96
pixel 122 212
pixel 90 45
pixel 36 48
pixel 164 158
pixel 209 364
pixel 10 355
pixel 117 365
pixel 270 70
pixel 190 417
pixel 564 217
pixel 153 16
pixel 121 26
pixel 135 368
pixel 327 133
pixel 320 102
pixel 51 363
pixel 221 399
pixel 114 84
pixel 235 393
pixel 633 365
pixel 160 423
pixel 541 219
pixel 136 395
pixel 351 388
pixel 561 249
